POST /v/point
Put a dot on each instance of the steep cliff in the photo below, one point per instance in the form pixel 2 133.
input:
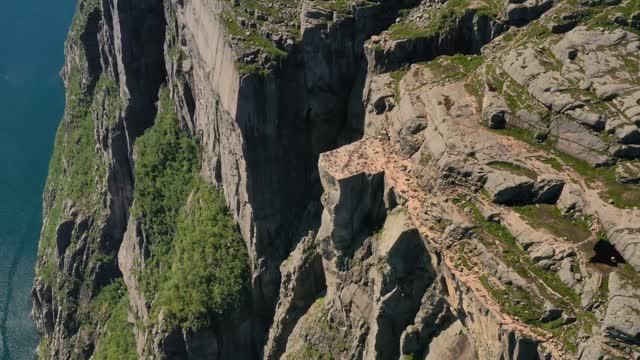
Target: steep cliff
pixel 346 180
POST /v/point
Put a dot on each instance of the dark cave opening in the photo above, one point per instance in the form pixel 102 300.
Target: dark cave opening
pixel 606 253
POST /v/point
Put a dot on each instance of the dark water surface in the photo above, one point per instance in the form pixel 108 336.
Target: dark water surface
pixel 32 36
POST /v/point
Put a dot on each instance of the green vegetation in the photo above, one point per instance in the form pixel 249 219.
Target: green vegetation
pixel 251 68
pixel 102 306
pixel 199 267
pixel 464 260
pixel 491 8
pixel 397 77
pixel 553 162
pixel 549 217
pixel 601 16
pixel 629 274
pixel 445 18
pixel 521 303
pixel 73 170
pixel 47 270
pixel 454 67
pixel 494 229
pixel 210 272
pixel 515 95
pixel 254 39
pixel 83 9
pixel 339 6
pixel 313 353
pixel 514 169
pixel 118 341
pixel 251 38
pixel 516 302
pixel 317 324
pixel 535 33
pixel 107 99
pixel 76 171
pixel 624 196
pixel 165 172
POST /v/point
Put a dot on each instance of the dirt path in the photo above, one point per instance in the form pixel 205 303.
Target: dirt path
pixel 376 155
pixel 372 156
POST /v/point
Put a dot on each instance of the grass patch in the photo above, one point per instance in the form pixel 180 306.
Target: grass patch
pixel 522 304
pixel 491 8
pixel 514 169
pixel 454 67
pixel 629 274
pixel 397 77
pixel 102 306
pixel 445 18
pixel 118 341
pixel 517 97
pixel 339 6
pixel 516 302
pixel 494 229
pixel 625 196
pixel 323 339
pixel 517 258
pixel 553 162
pixel 250 38
pixel 550 217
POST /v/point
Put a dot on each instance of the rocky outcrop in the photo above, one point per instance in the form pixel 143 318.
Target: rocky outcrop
pixel 108 77
pixel 622 317
pixel 407 177
pixel 622 231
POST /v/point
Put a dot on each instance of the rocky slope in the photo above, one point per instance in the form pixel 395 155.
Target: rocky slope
pixel 339 179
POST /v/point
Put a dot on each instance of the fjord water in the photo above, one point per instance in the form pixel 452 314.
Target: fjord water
pixel 32 34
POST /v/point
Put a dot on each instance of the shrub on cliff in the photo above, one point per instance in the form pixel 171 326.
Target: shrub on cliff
pixel 210 271
pixel 167 160
pixel 198 267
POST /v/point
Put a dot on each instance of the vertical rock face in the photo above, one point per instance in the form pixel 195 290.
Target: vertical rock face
pixel 314 179
pixel 109 77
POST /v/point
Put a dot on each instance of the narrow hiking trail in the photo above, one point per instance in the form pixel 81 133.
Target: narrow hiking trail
pixel 376 155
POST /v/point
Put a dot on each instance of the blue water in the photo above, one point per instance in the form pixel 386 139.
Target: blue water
pixel 32 36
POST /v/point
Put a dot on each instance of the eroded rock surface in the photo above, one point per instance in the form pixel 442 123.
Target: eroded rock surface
pixel 411 179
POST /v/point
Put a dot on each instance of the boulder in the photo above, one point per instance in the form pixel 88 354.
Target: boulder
pixel 547 189
pixel 623 230
pixel 622 318
pixel 509 189
pixel 587 118
pixel 521 13
pixel 495 112
pixel 628 134
pixel 551 312
pixel 628 173
pixel 570 199
pixel 590 290
pixel 575 140
pixel 542 252
pixel 566 275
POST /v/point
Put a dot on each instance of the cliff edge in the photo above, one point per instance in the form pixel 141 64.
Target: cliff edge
pixel 334 179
